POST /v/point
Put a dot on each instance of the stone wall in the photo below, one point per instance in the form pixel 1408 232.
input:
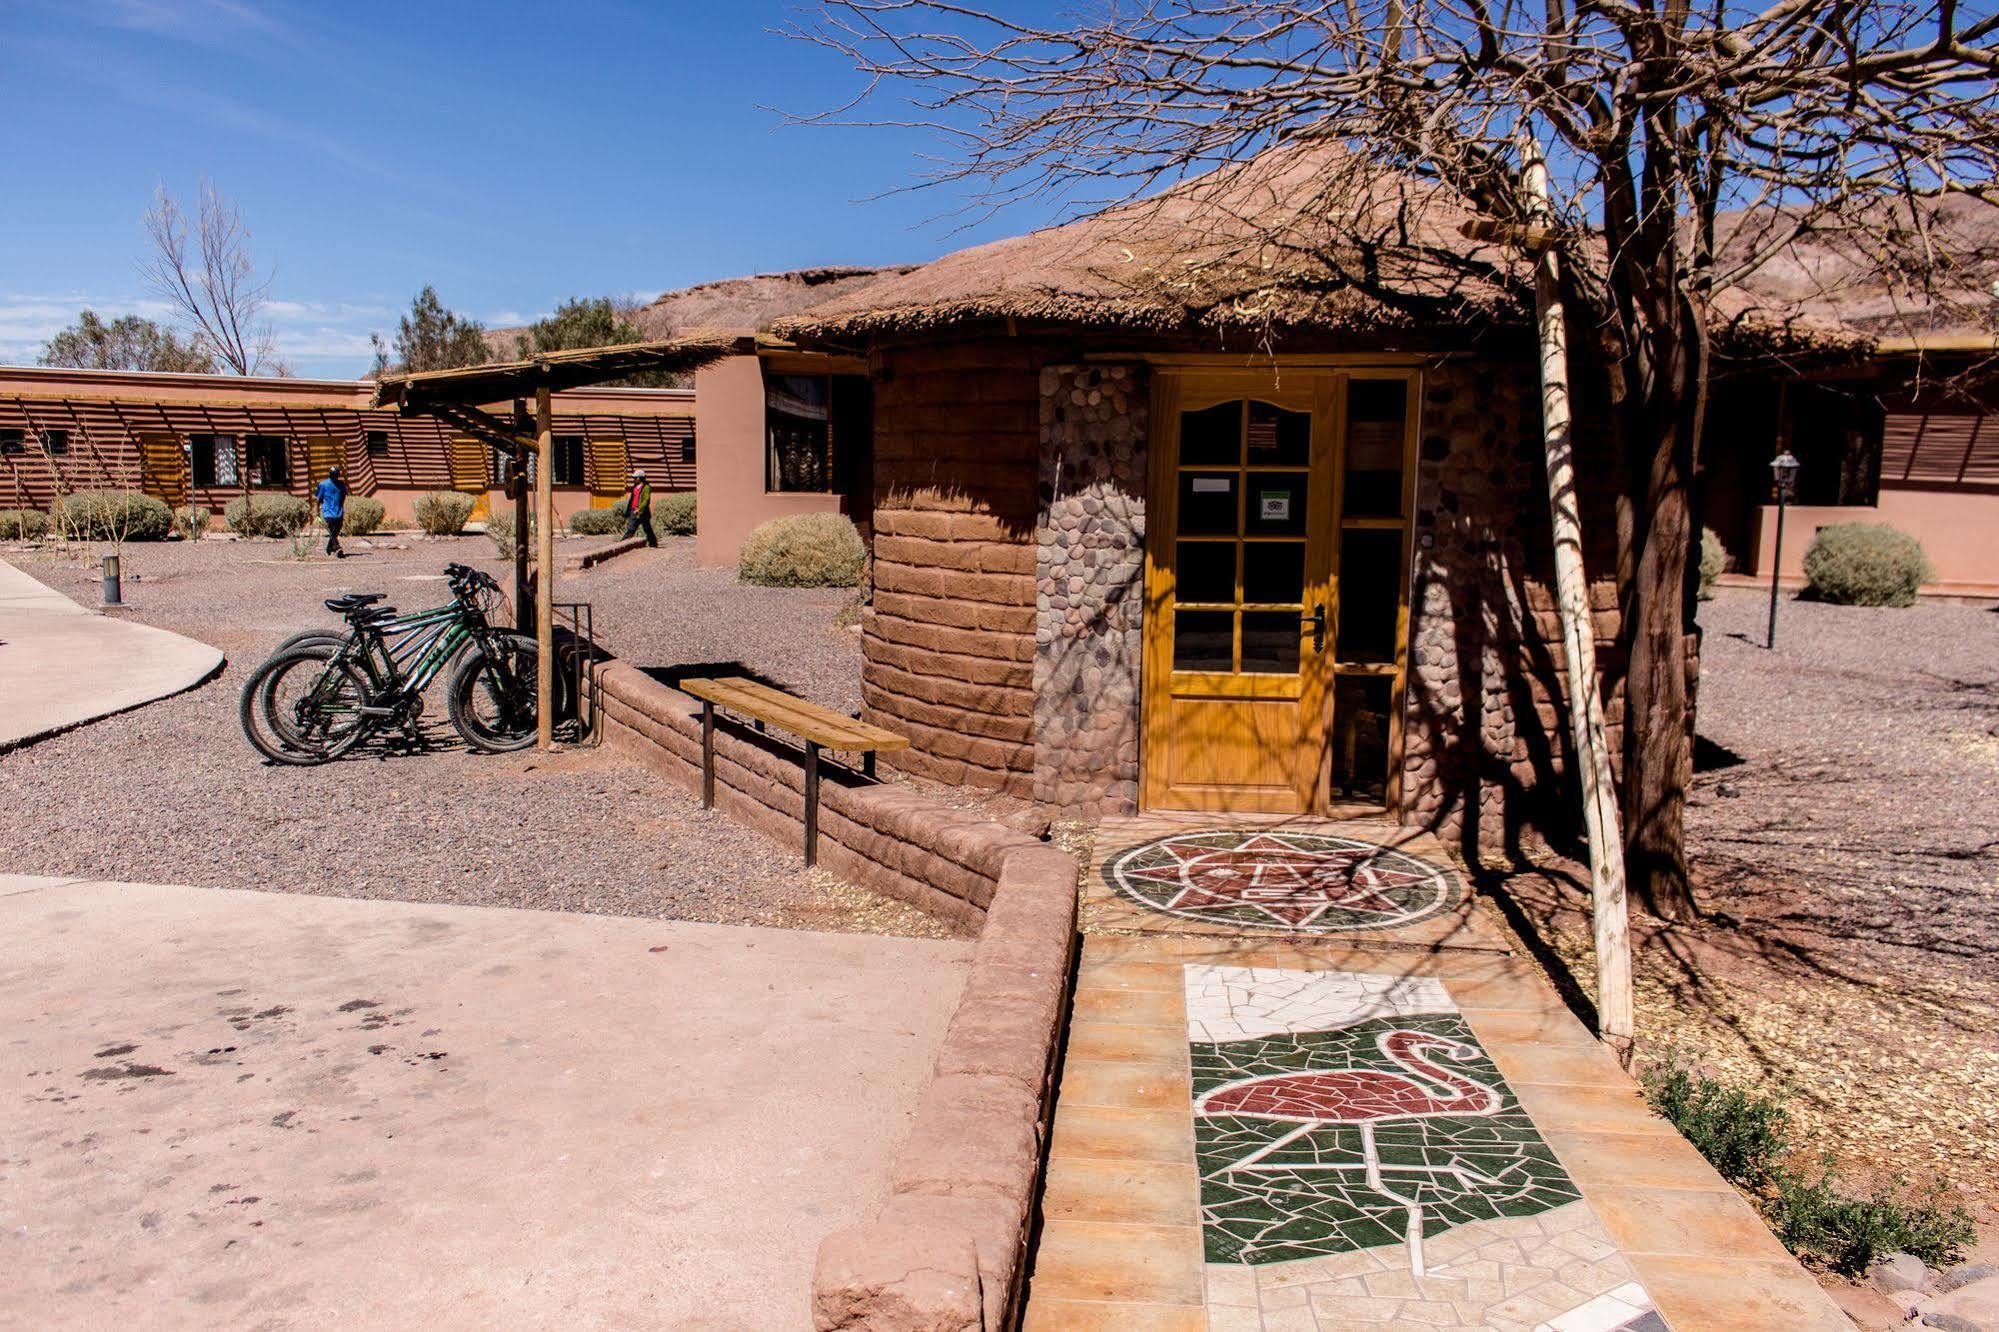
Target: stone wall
pixel 949 641
pixel 1485 723
pixel 1089 571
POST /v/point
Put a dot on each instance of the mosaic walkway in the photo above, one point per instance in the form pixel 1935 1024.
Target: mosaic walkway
pixel 1307 1086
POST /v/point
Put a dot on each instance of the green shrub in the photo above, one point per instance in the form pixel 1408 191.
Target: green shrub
pixel 804 550
pixel 1714 562
pixel 443 512
pixel 191 520
pixel 364 515
pixel 672 515
pixel 1866 564
pixel 112 515
pixel 500 530
pixel 1814 1218
pixel 267 515
pixel 23 524
pixel 1742 1135
pixel 597 522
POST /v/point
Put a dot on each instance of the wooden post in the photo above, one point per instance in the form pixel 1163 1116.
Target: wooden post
pixel 523 592
pixel 544 548
pixel 1606 844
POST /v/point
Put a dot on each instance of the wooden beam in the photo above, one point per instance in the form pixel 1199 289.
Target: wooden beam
pixel 544 543
pixel 478 424
pixel 1533 236
pixel 1614 1016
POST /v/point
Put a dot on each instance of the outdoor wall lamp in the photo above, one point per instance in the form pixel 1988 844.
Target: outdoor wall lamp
pixel 1784 468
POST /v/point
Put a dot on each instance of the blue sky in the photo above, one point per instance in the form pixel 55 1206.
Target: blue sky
pixel 511 153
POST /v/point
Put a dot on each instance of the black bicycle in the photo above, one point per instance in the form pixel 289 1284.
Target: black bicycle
pixel 323 693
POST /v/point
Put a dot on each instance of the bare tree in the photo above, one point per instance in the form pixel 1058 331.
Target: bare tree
pixel 210 280
pixel 1687 146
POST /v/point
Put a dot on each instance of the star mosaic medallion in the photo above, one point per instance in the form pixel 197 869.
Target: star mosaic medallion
pixel 1307 882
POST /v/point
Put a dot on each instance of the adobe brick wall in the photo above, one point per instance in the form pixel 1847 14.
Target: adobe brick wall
pixel 949 1247
pixel 948 644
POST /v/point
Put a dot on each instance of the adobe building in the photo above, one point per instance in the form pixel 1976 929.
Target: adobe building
pixel 208 439
pixel 1172 512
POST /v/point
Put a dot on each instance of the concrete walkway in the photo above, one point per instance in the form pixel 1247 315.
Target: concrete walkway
pixel 62 665
pixel 241 1109
pixel 1308 1088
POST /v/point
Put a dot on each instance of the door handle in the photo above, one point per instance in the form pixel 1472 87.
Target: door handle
pixel 1317 619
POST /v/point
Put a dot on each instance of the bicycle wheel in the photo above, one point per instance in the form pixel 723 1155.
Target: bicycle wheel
pixel 303 708
pixel 491 699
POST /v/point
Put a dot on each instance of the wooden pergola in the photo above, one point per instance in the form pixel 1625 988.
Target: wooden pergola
pixel 465 399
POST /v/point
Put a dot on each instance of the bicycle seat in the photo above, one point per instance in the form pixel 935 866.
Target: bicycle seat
pixel 353 601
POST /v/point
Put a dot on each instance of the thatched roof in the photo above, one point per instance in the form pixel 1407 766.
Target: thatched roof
pixel 1307 239
pixel 1285 241
pixel 475 385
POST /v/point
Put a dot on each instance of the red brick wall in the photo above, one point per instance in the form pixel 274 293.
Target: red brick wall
pixel 949 643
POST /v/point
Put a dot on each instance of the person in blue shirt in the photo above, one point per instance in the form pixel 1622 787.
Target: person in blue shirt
pixel 332 497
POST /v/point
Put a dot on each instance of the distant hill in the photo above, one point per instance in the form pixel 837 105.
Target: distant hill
pixel 732 305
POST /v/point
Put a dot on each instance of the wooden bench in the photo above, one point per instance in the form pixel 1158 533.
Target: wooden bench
pixel 820 728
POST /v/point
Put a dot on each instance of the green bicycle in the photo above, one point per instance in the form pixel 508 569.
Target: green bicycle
pixel 321 694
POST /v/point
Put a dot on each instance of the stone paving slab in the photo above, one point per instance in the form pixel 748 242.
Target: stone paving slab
pixel 239 1109
pixel 1328 1131
pixel 62 666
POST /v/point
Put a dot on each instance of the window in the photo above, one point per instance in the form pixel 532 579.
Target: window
pixel 55 443
pixel 270 467
pixel 10 443
pixel 378 443
pixel 815 425
pixel 687 449
pixel 569 460
pixel 212 460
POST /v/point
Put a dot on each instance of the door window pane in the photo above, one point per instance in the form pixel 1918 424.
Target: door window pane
pixel 1204 571
pixel 1278 438
pixel 1276 503
pixel 1370 581
pixel 1212 437
pixel 1271 642
pixel 1273 571
pixel 797 412
pixel 1204 640
pixel 1377 414
pixel 1360 737
pixel 1207 504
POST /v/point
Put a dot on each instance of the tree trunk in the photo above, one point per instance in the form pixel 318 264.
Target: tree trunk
pixel 1660 440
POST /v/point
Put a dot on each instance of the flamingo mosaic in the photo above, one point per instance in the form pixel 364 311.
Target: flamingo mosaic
pixel 1349 1125
pixel 1306 882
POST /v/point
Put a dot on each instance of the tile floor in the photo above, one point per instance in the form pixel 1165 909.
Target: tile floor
pixel 1266 1125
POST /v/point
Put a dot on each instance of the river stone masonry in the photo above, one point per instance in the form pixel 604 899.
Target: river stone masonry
pixel 1089 570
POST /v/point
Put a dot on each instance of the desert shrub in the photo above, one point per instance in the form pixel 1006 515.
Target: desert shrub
pixel 443 512
pixel 1866 564
pixel 364 514
pixel 191 520
pixel 23 524
pixel 500 531
pixel 267 515
pixel 109 515
pixel 804 550
pixel 596 522
pixel 1815 1218
pixel 672 515
pixel 1742 1135
pixel 1714 562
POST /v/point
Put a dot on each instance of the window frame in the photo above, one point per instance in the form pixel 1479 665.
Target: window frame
pixel 259 449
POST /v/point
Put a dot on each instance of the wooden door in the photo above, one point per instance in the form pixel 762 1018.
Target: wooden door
pixel 610 467
pixel 1277 580
pixel 163 467
pixel 1238 591
pixel 469 475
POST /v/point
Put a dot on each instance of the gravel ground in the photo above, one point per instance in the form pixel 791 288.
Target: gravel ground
pixel 173 793
pixel 1844 842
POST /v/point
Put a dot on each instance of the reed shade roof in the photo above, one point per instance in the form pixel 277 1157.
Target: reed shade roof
pixel 501 381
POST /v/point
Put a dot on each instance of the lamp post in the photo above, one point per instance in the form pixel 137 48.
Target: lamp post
pixel 1784 467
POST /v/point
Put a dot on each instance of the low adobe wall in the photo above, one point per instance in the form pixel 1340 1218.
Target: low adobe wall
pixel 949 1248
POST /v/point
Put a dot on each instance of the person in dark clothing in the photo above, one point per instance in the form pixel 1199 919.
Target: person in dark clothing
pixel 332 497
pixel 638 508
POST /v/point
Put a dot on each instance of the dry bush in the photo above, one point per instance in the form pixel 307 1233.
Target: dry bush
pixel 1866 564
pixel 804 550
pixel 267 515
pixel 23 524
pixel 114 515
pixel 443 512
pixel 363 515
